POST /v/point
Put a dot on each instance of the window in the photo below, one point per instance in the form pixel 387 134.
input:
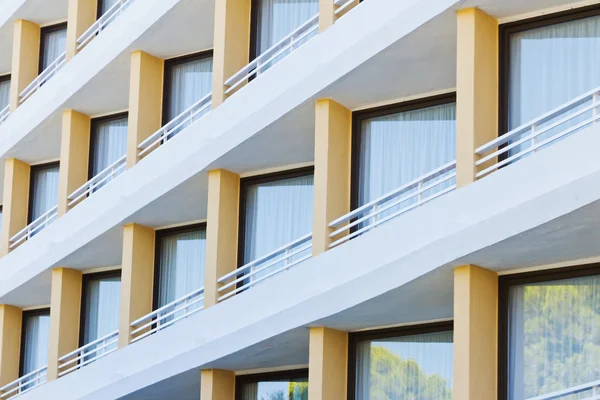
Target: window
pixel 34 340
pixel 549 332
pixel 414 362
pixel 53 43
pixel 394 145
pixel 4 91
pixel 108 142
pixel 179 268
pixel 100 299
pixel 104 6
pixel 284 385
pixel 43 192
pixel 275 210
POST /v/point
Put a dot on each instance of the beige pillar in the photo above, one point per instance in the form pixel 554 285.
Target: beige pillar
pixel 65 308
pixel 10 343
pixel 327 364
pixel 333 138
pixel 231 44
pixel 221 230
pixel 137 277
pixel 74 156
pixel 476 89
pixel 327 15
pixel 15 200
pixel 81 15
pixel 475 333
pixel 25 58
pixel 217 384
pixel 145 101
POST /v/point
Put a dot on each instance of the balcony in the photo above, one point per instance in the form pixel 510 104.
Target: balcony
pixel 102 23
pixel 24 384
pixel 34 228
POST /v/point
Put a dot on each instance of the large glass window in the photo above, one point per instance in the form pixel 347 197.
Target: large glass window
pixel 53 44
pixel 553 331
pixel 108 142
pixel 4 91
pixel 285 385
pixel 404 363
pixel 43 194
pixel 34 340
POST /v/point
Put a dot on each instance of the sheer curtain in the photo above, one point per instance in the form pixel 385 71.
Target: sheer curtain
pixel 105 5
pixel 189 82
pixel 554 336
pixel 408 367
pixel 44 186
pixel 35 344
pixel 109 142
pixel 4 93
pixel 54 43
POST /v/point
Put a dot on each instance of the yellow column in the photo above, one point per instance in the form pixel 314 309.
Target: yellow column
pixel 221 230
pixel 475 333
pixel 25 58
pixel 217 384
pixel 137 277
pixel 327 364
pixel 65 309
pixel 333 138
pixel 476 89
pixel 145 101
pixel 74 155
pixel 231 44
pixel 81 15
pixel 327 14
pixel 15 200
pixel 10 343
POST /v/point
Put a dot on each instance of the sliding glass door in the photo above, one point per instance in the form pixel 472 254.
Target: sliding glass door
pixel 4 91
pixel 108 143
pixel 282 385
pixel 34 340
pixel 53 44
pixel 43 194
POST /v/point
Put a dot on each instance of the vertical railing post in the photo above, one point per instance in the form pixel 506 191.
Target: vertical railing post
pixel 595 99
pixel 286 260
pixel 419 193
pixel 533 137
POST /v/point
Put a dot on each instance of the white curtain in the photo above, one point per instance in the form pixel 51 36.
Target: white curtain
pixel 292 389
pixel 105 5
pixel 54 44
pixel 405 368
pixel 554 336
pixel 45 190
pixel 35 345
pixel 182 257
pixel 101 314
pixel 4 93
pixel 189 82
pixel 109 141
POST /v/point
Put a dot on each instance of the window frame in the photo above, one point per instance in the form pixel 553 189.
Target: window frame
pixel 160 234
pixel 168 69
pixel 268 377
pixel 354 338
pixel 255 180
pixel 505 283
pixel 358 117
pixel 94 123
pixel 33 169
pixel 43 32
pixel 28 313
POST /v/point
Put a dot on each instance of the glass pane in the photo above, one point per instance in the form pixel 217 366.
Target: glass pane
pixel 54 43
pixel 105 5
pixel 189 82
pixel 44 186
pixel 405 368
pixel 35 345
pixel 109 143
pixel 4 93
pixel 101 313
pixel 290 389
pixel 554 337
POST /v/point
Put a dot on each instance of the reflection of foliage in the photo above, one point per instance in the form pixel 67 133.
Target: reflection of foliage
pixel 296 391
pixel 393 378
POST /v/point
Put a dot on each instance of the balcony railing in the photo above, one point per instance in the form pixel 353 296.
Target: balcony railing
pixel 109 16
pixel 343 5
pixel 89 353
pixel 4 113
pixel 24 384
pixel 265 267
pixel 539 132
pixel 591 391
pixel 183 120
pixel 103 177
pixel 35 227
pixel 44 77
pixel 288 44
pixel 399 201
pixel 167 315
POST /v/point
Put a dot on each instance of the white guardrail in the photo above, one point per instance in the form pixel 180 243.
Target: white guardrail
pixel 88 353
pixel 103 177
pixel 413 193
pixel 4 113
pixel 167 315
pixel 44 77
pixel 555 124
pixel 593 388
pixel 109 16
pixel 343 5
pixel 178 123
pixel 24 384
pixel 281 259
pixel 36 226
pixel 260 64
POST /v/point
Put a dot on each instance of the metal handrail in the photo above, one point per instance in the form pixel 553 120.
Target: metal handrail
pixel 185 118
pixel 268 58
pixel 44 77
pixel 109 16
pixel 112 171
pixel 593 386
pixel 4 113
pixel 40 223
pixel 342 6
pixel 81 353
pixel 27 381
